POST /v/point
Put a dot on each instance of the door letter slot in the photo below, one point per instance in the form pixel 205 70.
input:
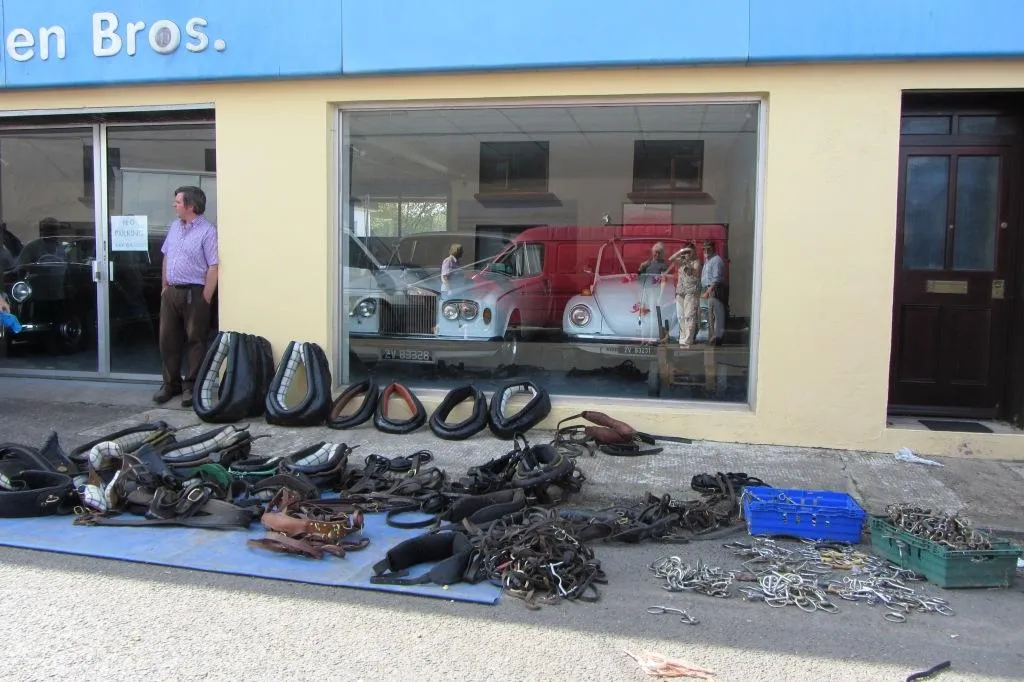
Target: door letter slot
pixel 946 286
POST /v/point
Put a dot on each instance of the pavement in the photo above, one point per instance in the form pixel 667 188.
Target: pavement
pixel 135 619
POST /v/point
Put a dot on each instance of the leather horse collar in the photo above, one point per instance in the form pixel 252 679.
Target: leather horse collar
pixel 384 423
pixel 370 393
pixel 536 409
pixel 472 425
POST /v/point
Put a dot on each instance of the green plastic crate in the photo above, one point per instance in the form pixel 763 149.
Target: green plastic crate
pixel 996 567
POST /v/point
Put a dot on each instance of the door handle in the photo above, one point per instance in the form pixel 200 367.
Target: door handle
pixel 998 289
pixel 110 271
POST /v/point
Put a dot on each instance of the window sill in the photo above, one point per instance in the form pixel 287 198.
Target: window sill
pixel 517 198
pixel 668 196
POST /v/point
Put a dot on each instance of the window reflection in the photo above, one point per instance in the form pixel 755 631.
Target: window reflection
pixel 538 199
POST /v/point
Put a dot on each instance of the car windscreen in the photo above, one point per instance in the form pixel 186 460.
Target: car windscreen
pixel 56 250
pixel 428 252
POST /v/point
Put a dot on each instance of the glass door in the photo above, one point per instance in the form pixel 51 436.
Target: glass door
pixel 48 254
pixel 144 165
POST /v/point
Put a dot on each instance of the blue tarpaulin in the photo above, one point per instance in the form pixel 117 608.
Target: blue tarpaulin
pixel 226 551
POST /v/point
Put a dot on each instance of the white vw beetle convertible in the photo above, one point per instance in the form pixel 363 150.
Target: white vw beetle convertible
pixel 622 313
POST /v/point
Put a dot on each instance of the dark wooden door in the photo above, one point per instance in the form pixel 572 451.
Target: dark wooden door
pixel 952 263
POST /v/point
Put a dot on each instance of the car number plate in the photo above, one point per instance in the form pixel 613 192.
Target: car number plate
pixel 406 354
pixel 629 350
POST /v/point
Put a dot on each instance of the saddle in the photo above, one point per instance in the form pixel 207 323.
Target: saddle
pixel 605 433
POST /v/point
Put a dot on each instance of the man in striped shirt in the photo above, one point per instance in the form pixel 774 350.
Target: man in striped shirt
pixel 189 282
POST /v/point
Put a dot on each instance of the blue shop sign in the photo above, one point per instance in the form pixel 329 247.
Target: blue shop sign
pixel 131 41
pixel 84 42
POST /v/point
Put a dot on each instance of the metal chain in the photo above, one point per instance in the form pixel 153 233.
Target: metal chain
pixel 950 530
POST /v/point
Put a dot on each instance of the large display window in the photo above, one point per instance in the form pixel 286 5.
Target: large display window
pixel 601 250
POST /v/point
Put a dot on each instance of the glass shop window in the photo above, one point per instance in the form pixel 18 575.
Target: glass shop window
pixel 525 213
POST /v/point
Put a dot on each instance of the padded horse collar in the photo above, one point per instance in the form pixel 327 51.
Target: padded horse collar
pixel 30 492
pixel 468 427
pixel 535 410
pixel 324 463
pixel 234 378
pixel 399 426
pixel 222 445
pixel 452 550
pixel 130 439
pixel 313 408
pixel 370 393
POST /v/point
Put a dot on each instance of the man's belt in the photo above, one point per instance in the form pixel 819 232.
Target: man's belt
pixel 184 286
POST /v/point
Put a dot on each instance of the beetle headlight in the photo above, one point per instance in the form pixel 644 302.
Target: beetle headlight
pixel 21 291
pixel 580 315
pixel 366 307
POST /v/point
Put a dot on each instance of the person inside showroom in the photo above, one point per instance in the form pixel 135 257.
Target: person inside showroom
pixel 711 277
pixel 191 263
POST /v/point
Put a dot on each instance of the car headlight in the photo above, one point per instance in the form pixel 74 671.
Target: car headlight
pixel 580 315
pixel 450 311
pixel 366 307
pixel 467 310
pixel 21 291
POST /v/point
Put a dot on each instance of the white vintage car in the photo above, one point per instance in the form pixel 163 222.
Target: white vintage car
pixel 400 313
pixel 623 313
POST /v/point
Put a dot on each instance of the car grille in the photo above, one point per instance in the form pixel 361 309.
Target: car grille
pixel 409 315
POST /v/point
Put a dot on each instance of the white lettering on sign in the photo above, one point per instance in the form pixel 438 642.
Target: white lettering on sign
pixel 164 37
pixel 131 35
pixel 192 28
pixel 129 233
pixel 104 27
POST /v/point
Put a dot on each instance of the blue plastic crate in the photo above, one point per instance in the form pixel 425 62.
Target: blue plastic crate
pixel 809 514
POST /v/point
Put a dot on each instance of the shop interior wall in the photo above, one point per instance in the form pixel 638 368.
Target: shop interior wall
pixel 827 240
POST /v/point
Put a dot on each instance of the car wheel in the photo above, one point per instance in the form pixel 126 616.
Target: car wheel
pixel 72 334
pixel 510 344
pixel 653 380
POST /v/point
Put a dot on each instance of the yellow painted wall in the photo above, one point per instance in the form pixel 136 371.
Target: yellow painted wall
pixel 828 226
